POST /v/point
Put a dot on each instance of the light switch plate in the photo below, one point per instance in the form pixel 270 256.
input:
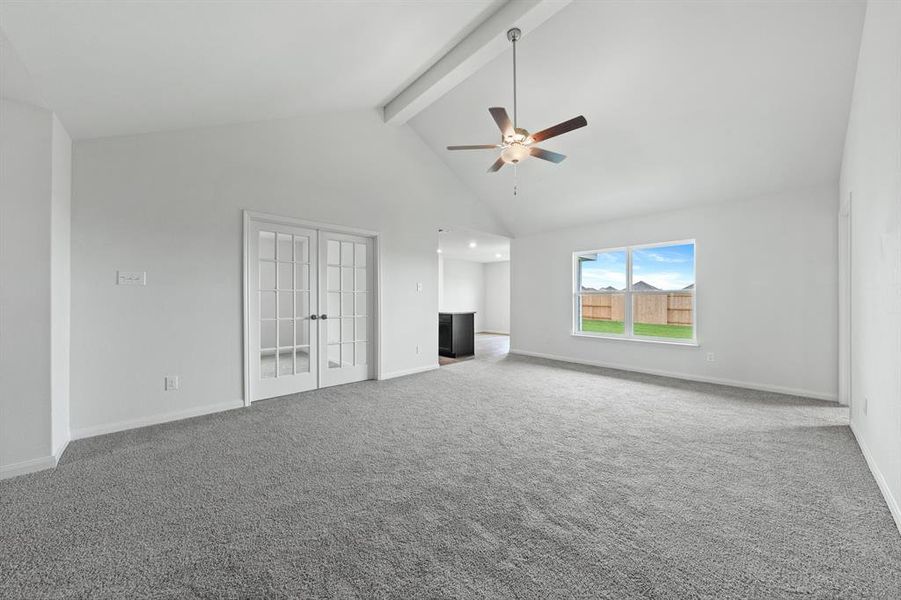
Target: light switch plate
pixel 131 277
pixel 171 383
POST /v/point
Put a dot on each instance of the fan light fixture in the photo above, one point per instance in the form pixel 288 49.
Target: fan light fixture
pixel 517 144
pixel 515 152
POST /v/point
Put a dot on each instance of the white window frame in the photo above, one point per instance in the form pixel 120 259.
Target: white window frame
pixel 629 334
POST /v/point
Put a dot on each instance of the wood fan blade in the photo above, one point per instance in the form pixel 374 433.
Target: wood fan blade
pixel 560 129
pixel 547 155
pixel 474 147
pixel 496 166
pixel 502 119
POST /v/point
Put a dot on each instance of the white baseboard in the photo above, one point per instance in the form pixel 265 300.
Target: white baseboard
pixel 33 465
pixel 493 332
pixel 27 466
pixel 58 453
pixel 893 506
pixel 404 372
pixel 762 387
pixel 86 432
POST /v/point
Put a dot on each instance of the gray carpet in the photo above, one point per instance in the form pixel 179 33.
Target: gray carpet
pixel 503 478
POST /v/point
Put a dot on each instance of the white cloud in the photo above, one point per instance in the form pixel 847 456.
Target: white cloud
pixel 599 278
pixel 657 257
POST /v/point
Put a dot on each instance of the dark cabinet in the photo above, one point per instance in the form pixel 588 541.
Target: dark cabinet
pixel 456 334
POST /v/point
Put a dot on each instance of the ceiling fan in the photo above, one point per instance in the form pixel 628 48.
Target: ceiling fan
pixel 517 144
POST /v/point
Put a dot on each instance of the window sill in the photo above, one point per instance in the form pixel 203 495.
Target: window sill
pixel 689 343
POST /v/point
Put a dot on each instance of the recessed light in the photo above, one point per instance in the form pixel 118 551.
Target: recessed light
pixel 498 256
pixel 472 244
pixel 439 250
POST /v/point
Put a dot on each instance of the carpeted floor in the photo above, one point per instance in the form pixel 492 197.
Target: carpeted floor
pixel 503 478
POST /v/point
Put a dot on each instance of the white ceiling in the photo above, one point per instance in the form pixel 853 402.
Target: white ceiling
pixel 111 68
pixel 15 82
pixel 687 103
pixel 456 244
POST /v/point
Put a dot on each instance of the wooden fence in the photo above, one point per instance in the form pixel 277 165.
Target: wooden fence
pixel 659 309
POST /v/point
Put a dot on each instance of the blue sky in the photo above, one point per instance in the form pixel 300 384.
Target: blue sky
pixel 664 267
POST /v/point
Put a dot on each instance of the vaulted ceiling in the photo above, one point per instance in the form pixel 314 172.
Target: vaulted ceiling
pixel 687 102
pixel 113 68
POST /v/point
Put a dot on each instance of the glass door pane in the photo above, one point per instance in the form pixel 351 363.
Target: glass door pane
pixel 302 310
pixel 336 285
pixel 268 322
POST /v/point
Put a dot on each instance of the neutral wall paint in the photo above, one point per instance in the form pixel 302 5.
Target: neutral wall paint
pixel 497 297
pixel 35 178
pixel 871 172
pixel 440 281
pixel 60 283
pixel 25 223
pixel 464 288
pixel 773 256
pixel 170 204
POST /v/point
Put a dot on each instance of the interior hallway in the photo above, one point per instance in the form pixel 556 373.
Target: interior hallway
pixel 488 345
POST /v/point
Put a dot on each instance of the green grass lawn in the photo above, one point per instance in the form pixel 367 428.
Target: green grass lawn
pixel 645 329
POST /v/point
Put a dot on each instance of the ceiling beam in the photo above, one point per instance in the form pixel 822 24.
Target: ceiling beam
pixel 483 44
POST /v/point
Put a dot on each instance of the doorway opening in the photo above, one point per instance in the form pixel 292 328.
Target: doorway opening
pixel 473 295
pixel 310 306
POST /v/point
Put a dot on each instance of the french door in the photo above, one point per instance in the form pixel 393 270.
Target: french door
pixel 309 308
pixel 282 298
pixel 346 294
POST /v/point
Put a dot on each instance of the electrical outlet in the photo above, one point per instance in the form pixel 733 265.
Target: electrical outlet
pixel 417 348
pixel 171 383
pixel 418 287
pixel 711 357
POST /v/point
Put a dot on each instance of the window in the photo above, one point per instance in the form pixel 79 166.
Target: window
pixel 638 292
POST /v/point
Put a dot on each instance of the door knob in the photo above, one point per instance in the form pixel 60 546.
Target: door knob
pixel 323 316
pixel 314 317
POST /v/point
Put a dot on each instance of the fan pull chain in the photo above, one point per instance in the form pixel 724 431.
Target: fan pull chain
pixel 514 180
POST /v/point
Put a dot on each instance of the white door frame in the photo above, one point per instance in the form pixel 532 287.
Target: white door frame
pixel 250 216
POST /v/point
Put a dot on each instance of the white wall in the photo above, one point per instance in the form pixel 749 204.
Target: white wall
pixel 170 204
pixel 34 302
pixel 463 287
pixel 25 183
pixel 497 297
pixel 466 285
pixel 871 171
pixel 440 281
pixel 773 256
pixel 60 283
